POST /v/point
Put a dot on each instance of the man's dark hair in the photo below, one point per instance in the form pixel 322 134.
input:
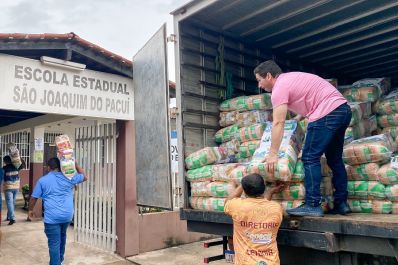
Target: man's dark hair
pixel 7 160
pixel 268 67
pixel 53 163
pixel 253 185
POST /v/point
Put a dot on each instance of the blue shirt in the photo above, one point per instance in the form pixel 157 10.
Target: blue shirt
pixel 56 190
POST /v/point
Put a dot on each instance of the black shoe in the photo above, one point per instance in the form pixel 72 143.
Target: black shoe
pixel 306 210
pixel 11 222
pixel 341 208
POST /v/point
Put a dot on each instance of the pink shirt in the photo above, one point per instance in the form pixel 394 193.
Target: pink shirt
pixel 306 94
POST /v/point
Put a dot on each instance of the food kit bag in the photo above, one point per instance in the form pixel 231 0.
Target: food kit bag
pixel 371 206
pixel 293 191
pixel 228 118
pixel 252 132
pixel 366 190
pixel 363 172
pixel 388 105
pixel 212 189
pixel 14 154
pixel 205 156
pixel 66 155
pixel 392 192
pixel 218 172
pixel 298 173
pixel 231 147
pixel 388 120
pixel 247 149
pixel 207 203
pixel 388 174
pixel 247 118
pixel 244 103
pixel 394 207
pixel 226 134
pixel 376 149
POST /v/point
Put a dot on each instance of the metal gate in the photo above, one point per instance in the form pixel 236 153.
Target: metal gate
pixel 95 200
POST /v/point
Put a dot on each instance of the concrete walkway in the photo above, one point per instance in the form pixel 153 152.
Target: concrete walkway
pixel 25 243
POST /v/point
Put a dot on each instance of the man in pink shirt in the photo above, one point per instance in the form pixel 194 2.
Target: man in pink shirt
pixel 309 96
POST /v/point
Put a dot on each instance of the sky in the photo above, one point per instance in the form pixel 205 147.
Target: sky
pixel 120 26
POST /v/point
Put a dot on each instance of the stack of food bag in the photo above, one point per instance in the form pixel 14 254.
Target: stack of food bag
pixel 387 114
pixel 367 90
pixel 363 123
pixel 367 190
pixel 244 120
pixel 14 154
pixel 66 155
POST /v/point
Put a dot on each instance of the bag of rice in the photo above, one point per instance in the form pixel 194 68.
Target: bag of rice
pixel 355 206
pixel 65 155
pixel 388 120
pixel 387 174
pixel 376 190
pixel 366 94
pixel 247 149
pixel 231 147
pixel 207 203
pixel 370 206
pixel 244 119
pixel 356 113
pixel 376 149
pixel 257 102
pixel 252 132
pixel 363 172
pixel 381 207
pixel 14 155
pixel 226 134
pixel 205 156
pixel 199 189
pixel 392 192
pixel 393 131
pixel 382 84
pixel 228 118
pixel 211 173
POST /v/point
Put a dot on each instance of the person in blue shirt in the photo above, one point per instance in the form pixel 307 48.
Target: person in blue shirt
pixel 56 191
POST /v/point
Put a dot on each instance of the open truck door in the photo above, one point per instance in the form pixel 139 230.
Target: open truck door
pixel 151 107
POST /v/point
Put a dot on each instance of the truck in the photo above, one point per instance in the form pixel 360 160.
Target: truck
pixel 217 44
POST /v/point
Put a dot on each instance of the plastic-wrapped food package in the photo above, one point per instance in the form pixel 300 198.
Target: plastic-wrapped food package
pixel 387 174
pixel 298 174
pixel 247 118
pixel 370 125
pixel 392 192
pixel 371 206
pixel 284 168
pixel 211 189
pixel 205 156
pixel 393 131
pixel 14 155
pixel 257 102
pixel 366 94
pixel 66 155
pixel 207 203
pixel 286 205
pixel 228 118
pixel 356 131
pixel 356 113
pixel 394 207
pixel 388 120
pixel 388 105
pixel 366 190
pixel 376 149
pixel 226 134
pixel 239 172
pixel 293 191
pixel 383 84
pixel 363 172
pixel 231 147
pixel 247 149
pixel 211 173
pixel 252 132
